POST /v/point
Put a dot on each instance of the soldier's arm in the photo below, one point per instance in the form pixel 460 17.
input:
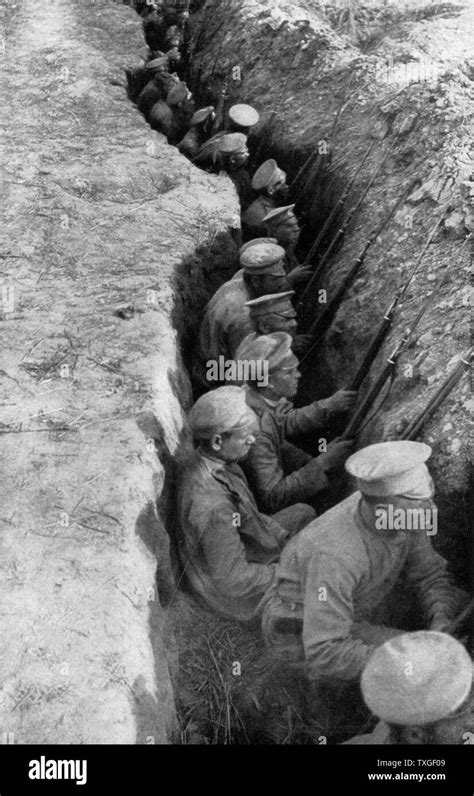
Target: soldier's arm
pixel 428 573
pixel 313 417
pixel 224 554
pixel 274 489
pixel 328 620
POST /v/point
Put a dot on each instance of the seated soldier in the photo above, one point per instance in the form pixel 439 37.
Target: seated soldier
pixel 280 473
pixel 341 571
pixel 199 131
pixel 275 313
pixel 228 549
pixel 282 224
pixel 169 117
pixel 159 85
pixel 228 151
pixel 226 320
pixel 269 181
pixel 420 687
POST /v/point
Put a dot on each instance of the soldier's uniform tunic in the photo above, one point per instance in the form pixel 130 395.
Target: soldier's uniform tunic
pixel 358 567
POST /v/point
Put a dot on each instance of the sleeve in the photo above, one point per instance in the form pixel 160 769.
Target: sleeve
pixel 274 489
pixel 426 570
pixel 314 417
pixel 224 554
pixel 328 619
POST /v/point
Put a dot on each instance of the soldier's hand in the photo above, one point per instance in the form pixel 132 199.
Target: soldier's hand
pixel 301 343
pixel 299 275
pixel 342 400
pixel 336 454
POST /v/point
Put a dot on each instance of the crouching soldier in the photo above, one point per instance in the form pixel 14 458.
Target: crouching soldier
pixel 228 151
pixel 336 579
pixel 279 472
pixel 420 687
pixel 228 548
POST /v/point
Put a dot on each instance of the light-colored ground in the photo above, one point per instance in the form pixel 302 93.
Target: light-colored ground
pixel 98 213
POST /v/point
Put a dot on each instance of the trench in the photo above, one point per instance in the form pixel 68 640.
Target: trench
pixel 214 704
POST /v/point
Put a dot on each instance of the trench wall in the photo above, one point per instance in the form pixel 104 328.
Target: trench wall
pixel 100 216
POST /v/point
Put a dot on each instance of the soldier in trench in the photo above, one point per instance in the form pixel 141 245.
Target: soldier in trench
pixel 419 686
pixel 199 131
pixel 269 181
pixel 279 472
pixel 282 224
pixel 229 152
pixel 227 547
pixel 160 84
pixel 226 320
pixel 275 313
pixel 333 602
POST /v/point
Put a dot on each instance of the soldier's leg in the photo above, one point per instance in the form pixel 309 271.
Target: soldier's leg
pixel 295 518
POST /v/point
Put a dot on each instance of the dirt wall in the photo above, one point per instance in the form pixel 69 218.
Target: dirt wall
pixel 100 214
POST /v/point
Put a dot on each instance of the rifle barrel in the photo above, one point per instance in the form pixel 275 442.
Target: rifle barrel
pixel 390 365
pixel 415 426
pixel 387 320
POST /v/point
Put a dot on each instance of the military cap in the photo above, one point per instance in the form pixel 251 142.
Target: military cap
pixel 417 678
pixel 231 143
pixel 264 258
pixel 243 115
pixel 157 63
pixel 272 348
pixel 220 410
pixel 254 242
pixel 278 214
pixel 177 94
pixel 390 468
pixel 278 303
pixel 267 174
pixel 201 115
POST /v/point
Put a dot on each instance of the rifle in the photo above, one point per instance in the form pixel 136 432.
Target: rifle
pixel 415 426
pixel 331 217
pixel 388 370
pixel 387 320
pixel 314 155
pixel 321 324
pixel 341 231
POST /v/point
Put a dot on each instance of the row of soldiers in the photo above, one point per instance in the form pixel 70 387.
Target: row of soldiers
pixel 250 541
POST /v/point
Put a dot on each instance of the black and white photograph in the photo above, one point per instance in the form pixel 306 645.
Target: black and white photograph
pixel 236 405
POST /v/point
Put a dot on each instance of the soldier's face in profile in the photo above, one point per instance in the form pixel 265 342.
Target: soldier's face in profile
pixel 236 445
pixel 284 381
pixel 279 188
pixel 240 158
pixel 273 283
pixel 288 231
pixel 278 323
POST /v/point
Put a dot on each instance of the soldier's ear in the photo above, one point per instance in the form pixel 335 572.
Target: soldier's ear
pixel 216 442
pixel 271 190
